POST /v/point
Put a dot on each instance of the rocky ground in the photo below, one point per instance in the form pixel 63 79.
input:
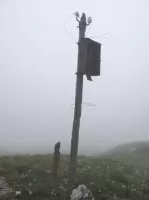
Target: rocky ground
pixel 5 189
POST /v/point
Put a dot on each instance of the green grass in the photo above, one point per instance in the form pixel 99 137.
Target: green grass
pixel 125 176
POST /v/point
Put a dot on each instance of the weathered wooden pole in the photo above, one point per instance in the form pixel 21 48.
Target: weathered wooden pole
pixel 78 104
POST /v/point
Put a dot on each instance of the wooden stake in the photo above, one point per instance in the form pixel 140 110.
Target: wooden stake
pixel 56 158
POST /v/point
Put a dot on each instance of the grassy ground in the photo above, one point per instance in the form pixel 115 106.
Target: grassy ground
pixel 126 177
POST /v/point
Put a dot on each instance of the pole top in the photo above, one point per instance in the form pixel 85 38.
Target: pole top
pixel 83 21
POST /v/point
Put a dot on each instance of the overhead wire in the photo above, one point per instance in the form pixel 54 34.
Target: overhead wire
pixel 66 30
pixel 85 103
pixel 88 104
pixel 99 36
pixel 90 26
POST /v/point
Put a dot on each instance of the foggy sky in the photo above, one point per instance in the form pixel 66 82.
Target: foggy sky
pixel 37 74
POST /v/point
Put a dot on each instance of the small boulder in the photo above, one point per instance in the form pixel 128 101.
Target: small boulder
pixel 81 192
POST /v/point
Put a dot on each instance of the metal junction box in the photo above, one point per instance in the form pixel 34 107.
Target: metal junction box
pixel 89 56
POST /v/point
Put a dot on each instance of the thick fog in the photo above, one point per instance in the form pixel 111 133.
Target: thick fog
pixel 37 75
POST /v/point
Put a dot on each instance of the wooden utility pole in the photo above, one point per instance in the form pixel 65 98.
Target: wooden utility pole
pixel 78 104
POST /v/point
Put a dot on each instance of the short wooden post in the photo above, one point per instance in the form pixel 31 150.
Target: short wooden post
pixel 56 158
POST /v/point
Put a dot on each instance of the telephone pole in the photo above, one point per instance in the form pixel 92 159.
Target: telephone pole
pixel 78 102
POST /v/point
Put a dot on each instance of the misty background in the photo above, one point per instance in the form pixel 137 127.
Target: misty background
pixel 37 75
